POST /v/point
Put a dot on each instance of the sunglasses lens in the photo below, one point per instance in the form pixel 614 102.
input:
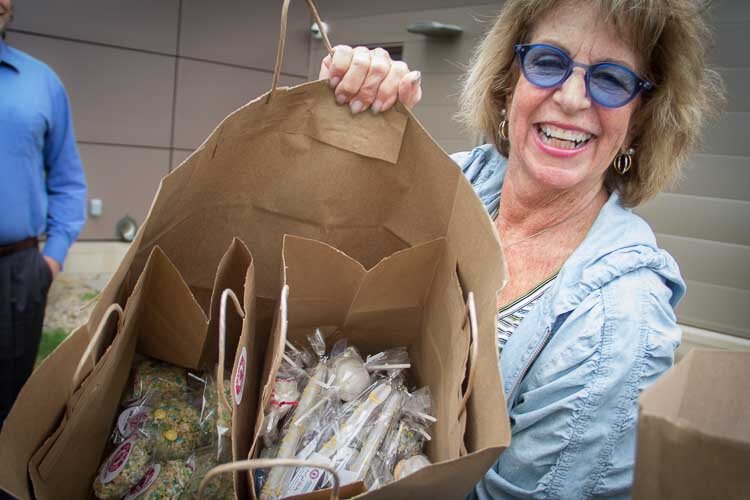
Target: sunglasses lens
pixel 612 85
pixel 545 66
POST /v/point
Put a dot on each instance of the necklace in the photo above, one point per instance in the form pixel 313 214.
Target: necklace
pixel 507 245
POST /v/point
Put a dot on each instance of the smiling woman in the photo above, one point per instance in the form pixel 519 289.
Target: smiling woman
pixel 591 107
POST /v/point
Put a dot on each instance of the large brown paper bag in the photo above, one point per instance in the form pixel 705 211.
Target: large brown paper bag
pixel 162 320
pixel 413 299
pixel 694 430
pixel 293 162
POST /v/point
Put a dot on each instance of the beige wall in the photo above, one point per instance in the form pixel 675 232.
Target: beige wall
pixel 704 220
pixel 148 81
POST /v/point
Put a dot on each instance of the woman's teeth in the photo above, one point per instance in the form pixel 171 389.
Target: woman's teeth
pixel 561 138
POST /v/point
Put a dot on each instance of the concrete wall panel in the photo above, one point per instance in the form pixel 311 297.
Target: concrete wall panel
pixel 138 24
pixel 117 96
pixel 699 217
pixel 125 179
pixel 716 176
pixel 208 92
pixel 249 32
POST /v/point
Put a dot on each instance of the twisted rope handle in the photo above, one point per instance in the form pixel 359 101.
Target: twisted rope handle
pixel 471 312
pixel 282 41
pixel 249 465
pixel 228 293
pixel 90 349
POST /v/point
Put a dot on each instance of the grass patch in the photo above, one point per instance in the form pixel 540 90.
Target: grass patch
pixel 85 297
pixel 50 340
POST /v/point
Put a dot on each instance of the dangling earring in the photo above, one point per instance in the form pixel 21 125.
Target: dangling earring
pixel 503 132
pixel 623 161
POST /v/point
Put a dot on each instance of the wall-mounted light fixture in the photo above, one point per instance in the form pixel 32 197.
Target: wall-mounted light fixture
pixel 435 29
pixel 126 229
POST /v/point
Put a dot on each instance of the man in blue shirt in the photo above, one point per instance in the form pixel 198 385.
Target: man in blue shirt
pixel 42 191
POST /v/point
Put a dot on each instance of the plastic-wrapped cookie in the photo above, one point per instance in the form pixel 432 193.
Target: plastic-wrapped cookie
pixel 166 481
pixel 122 469
pixel 215 417
pixel 410 465
pixel 131 420
pixel 220 487
pixel 157 380
pixel 175 429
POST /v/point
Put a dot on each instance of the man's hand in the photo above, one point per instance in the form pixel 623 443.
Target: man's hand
pixel 54 266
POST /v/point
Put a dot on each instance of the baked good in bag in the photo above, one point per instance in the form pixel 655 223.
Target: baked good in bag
pixel 122 469
pixel 175 429
pixel 215 416
pixel 157 380
pixel 166 481
pixel 220 487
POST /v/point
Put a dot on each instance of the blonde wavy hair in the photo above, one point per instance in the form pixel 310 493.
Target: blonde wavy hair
pixel 671 37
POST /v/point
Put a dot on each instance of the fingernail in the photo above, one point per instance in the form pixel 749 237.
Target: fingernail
pixel 334 81
pixel 356 106
pixel 416 78
pixel 341 98
pixel 377 106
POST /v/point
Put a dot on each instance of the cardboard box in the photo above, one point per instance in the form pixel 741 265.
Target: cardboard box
pixel 694 430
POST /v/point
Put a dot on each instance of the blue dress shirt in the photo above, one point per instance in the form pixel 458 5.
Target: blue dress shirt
pixel 42 186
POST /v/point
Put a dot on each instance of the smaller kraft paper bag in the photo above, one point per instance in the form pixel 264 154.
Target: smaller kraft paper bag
pixel 411 299
pixel 161 320
pixel 694 430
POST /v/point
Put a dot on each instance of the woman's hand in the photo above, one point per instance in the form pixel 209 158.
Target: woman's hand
pixel 367 78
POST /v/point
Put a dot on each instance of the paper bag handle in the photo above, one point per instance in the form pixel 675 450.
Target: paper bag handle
pixel 260 463
pixel 282 41
pixel 228 293
pixel 471 316
pixel 90 349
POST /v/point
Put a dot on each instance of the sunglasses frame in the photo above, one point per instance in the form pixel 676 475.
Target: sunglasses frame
pixel 522 50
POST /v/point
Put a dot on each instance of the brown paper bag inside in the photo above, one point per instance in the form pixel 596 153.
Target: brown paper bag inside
pixel 157 314
pixel 412 298
pixel 694 430
pixel 162 320
pixel 236 276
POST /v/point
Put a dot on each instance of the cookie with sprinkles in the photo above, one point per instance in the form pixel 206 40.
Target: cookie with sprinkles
pixel 122 469
pixel 166 481
pixel 157 380
pixel 174 428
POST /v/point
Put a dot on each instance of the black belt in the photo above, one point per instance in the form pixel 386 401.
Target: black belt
pixel 18 246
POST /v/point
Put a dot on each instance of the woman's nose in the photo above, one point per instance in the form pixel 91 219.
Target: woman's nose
pixel 572 96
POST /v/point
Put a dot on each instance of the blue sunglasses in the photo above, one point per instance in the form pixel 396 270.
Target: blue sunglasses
pixel 608 84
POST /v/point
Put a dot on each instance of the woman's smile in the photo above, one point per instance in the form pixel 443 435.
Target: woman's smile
pixel 562 142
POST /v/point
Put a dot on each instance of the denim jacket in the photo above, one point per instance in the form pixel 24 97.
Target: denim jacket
pixel 573 369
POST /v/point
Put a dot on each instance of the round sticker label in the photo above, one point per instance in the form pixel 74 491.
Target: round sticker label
pixel 116 462
pixel 131 419
pixel 238 387
pixel 145 483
